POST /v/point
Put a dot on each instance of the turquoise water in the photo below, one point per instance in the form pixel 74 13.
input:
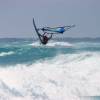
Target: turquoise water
pixel 17 51
pixel 61 70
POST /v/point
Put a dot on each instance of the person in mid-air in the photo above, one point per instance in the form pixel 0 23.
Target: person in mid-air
pixel 45 33
pixel 45 38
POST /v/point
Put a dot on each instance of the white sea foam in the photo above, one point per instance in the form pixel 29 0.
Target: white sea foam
pixel 52 44
pixel 66 77
pixel 6 53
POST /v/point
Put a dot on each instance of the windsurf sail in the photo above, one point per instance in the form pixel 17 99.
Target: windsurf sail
pixel 48 30
pixel 56 29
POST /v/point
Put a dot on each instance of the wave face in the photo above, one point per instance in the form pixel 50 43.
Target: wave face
pixel 65 70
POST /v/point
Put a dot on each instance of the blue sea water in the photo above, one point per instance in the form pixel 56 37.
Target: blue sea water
pixel 66 69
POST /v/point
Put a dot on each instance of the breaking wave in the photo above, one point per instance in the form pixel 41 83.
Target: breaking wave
pixel 52 44
pixel 65 77
pixel 6 53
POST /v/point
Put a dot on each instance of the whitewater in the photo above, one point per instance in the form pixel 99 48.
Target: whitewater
pixel 61 70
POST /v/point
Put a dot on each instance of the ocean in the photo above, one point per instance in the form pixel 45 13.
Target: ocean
pixel 67 69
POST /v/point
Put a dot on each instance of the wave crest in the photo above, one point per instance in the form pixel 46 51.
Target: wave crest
pixel 53 44
pixel 6 53
pixel 61 78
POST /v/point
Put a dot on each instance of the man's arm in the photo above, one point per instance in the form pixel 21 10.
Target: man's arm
pixel 45 33
pixel 50 37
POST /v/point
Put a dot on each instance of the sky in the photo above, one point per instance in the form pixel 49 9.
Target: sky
pixel 16 17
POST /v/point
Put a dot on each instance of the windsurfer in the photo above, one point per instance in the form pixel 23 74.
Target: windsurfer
pixel 45 38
